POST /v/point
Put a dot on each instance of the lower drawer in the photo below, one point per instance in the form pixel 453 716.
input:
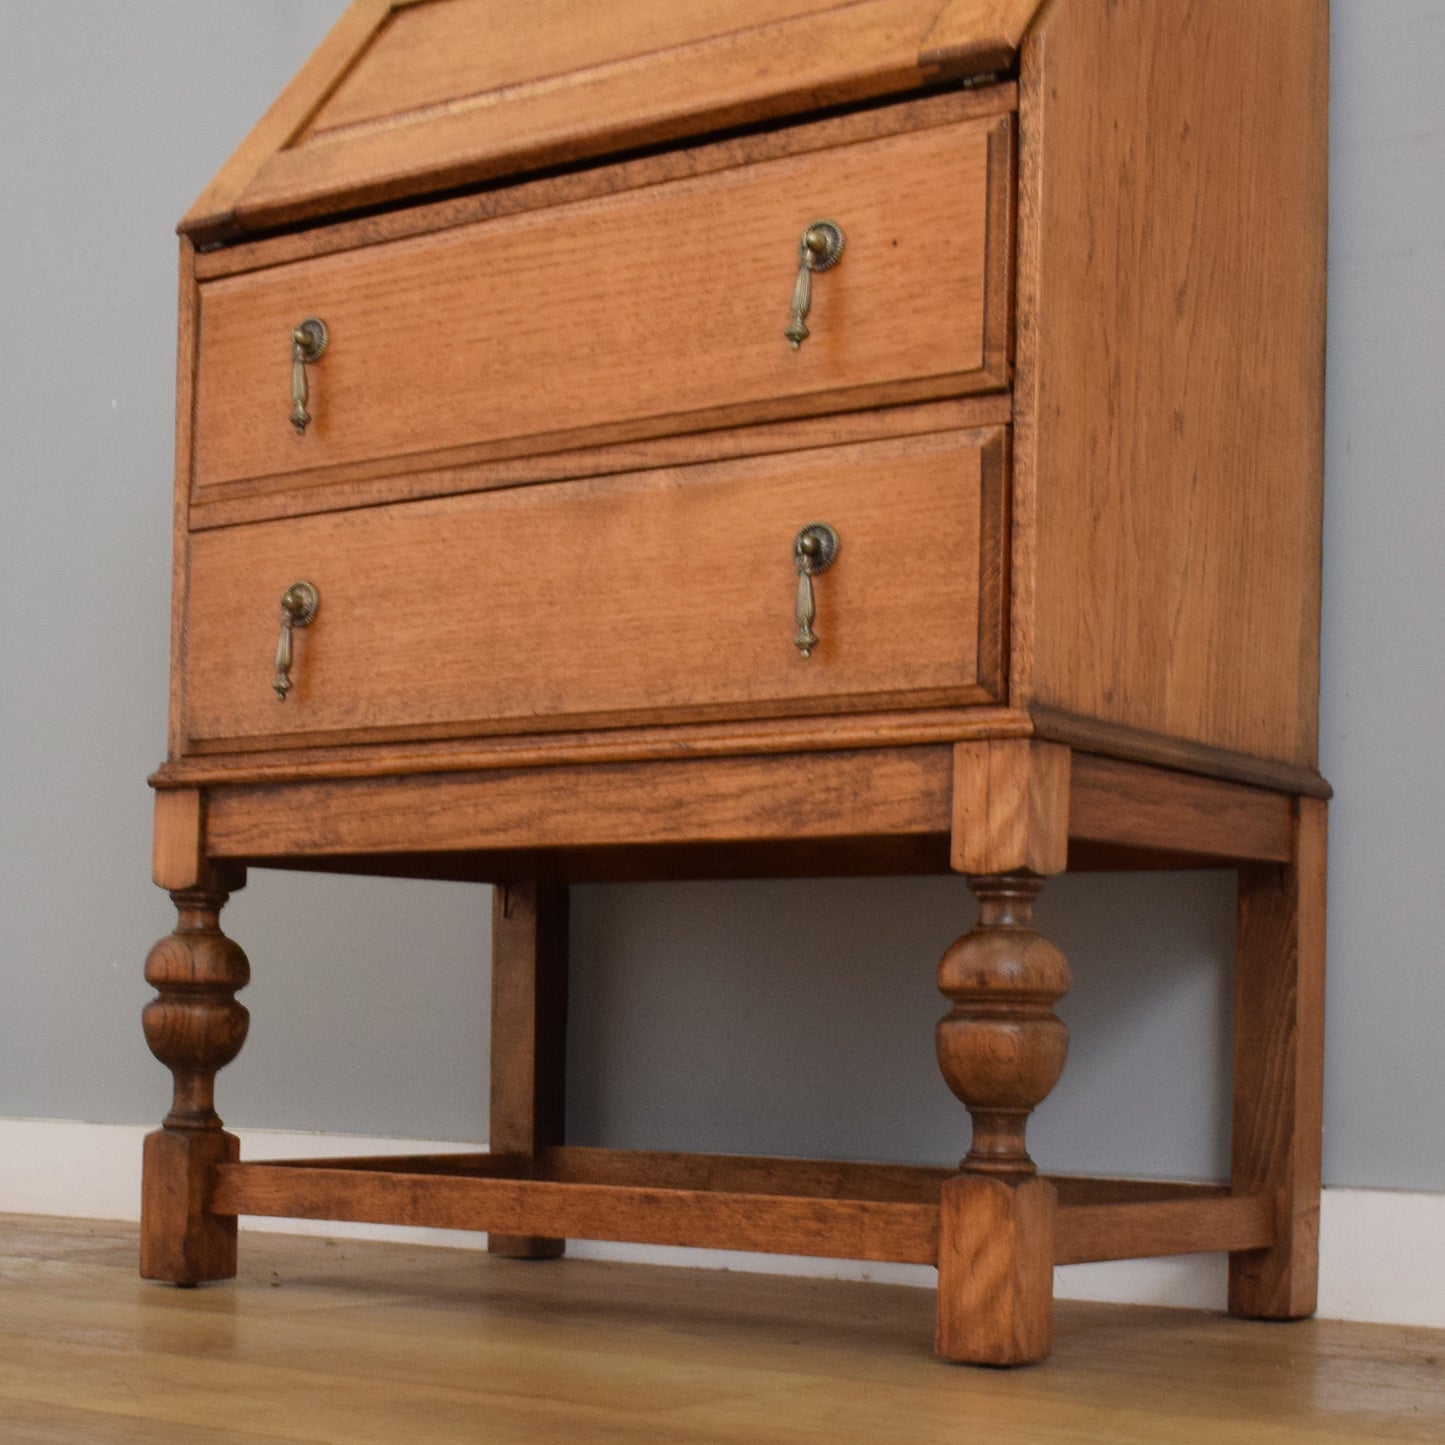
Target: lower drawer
pixel 658 596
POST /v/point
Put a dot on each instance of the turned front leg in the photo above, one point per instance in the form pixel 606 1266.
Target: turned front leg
pixel 1001 1049
pixel 194 1026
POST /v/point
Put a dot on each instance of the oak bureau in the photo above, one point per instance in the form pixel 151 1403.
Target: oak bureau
pixel 633 439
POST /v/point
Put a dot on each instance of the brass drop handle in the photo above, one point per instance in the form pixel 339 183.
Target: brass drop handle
pixel 298 606
pixel 308 345
pixel 819 249
pixel 815 549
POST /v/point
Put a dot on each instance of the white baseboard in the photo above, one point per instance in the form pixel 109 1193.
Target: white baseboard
pixel 1380 1253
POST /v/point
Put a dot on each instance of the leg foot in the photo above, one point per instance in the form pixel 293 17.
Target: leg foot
pixel 996 1271
pixel 182 1242
pixel 1279 1071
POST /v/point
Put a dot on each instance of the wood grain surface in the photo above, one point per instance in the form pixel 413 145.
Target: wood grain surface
pixel 639 1195
pixel 1090 735
pixel 1117 802
pixel 974 35
pixel 828 1228
pixel 352 1343
pixel 492 466
pixel 789 798
pixel 625 599
pixel 1156 1227
pixel 527 1101
pixel 553 188
pixel 1079 1195
pixel 1010 807
pixel 653 1169
pixel 187 346
pixel 608 745
pixel 178 855
pixel 1169 441
pixel 452 95
pixel 1279 1044
pixel 748 1174
pixel 184 1241
pixel 668 301
pixel 995 1271
pixel 739 738
pixel 467 49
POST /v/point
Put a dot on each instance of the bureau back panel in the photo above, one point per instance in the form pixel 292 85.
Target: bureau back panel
pixel 664 595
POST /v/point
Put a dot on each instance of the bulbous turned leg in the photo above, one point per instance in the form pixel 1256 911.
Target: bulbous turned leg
pixel 1001 1049
pixel 194 1026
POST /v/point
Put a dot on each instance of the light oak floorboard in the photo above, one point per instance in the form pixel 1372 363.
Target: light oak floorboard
pixel 350 1342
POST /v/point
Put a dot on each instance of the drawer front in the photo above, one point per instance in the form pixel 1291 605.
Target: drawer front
pixel 654 597
pixel 641 312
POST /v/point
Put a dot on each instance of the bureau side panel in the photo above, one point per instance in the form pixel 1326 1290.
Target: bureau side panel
pixel 1169 444
pixel 187 320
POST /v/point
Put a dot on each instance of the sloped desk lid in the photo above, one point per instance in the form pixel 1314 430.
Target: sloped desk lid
pixel 407 97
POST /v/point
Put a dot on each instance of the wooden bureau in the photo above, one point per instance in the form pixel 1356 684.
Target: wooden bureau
pixel 771 437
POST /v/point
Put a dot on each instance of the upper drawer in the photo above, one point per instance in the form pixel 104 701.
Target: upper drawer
pixel 663 596
pixel 650 310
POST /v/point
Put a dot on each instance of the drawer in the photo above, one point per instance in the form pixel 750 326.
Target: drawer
pixel 652 597
pixel 643 312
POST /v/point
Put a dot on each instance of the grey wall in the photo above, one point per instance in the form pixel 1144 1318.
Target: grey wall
pixel 788 1017
pixel 112 119
pixel 1383 703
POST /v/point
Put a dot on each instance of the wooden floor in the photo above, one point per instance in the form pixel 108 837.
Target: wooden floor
pixel 348 1342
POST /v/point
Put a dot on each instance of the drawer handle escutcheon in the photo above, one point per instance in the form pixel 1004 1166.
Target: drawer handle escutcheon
pixel 308 345
pixel 298 606
pixel 815 549
pixel 819 249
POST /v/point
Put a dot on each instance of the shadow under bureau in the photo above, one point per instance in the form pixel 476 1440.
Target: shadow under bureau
pixel 793 438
